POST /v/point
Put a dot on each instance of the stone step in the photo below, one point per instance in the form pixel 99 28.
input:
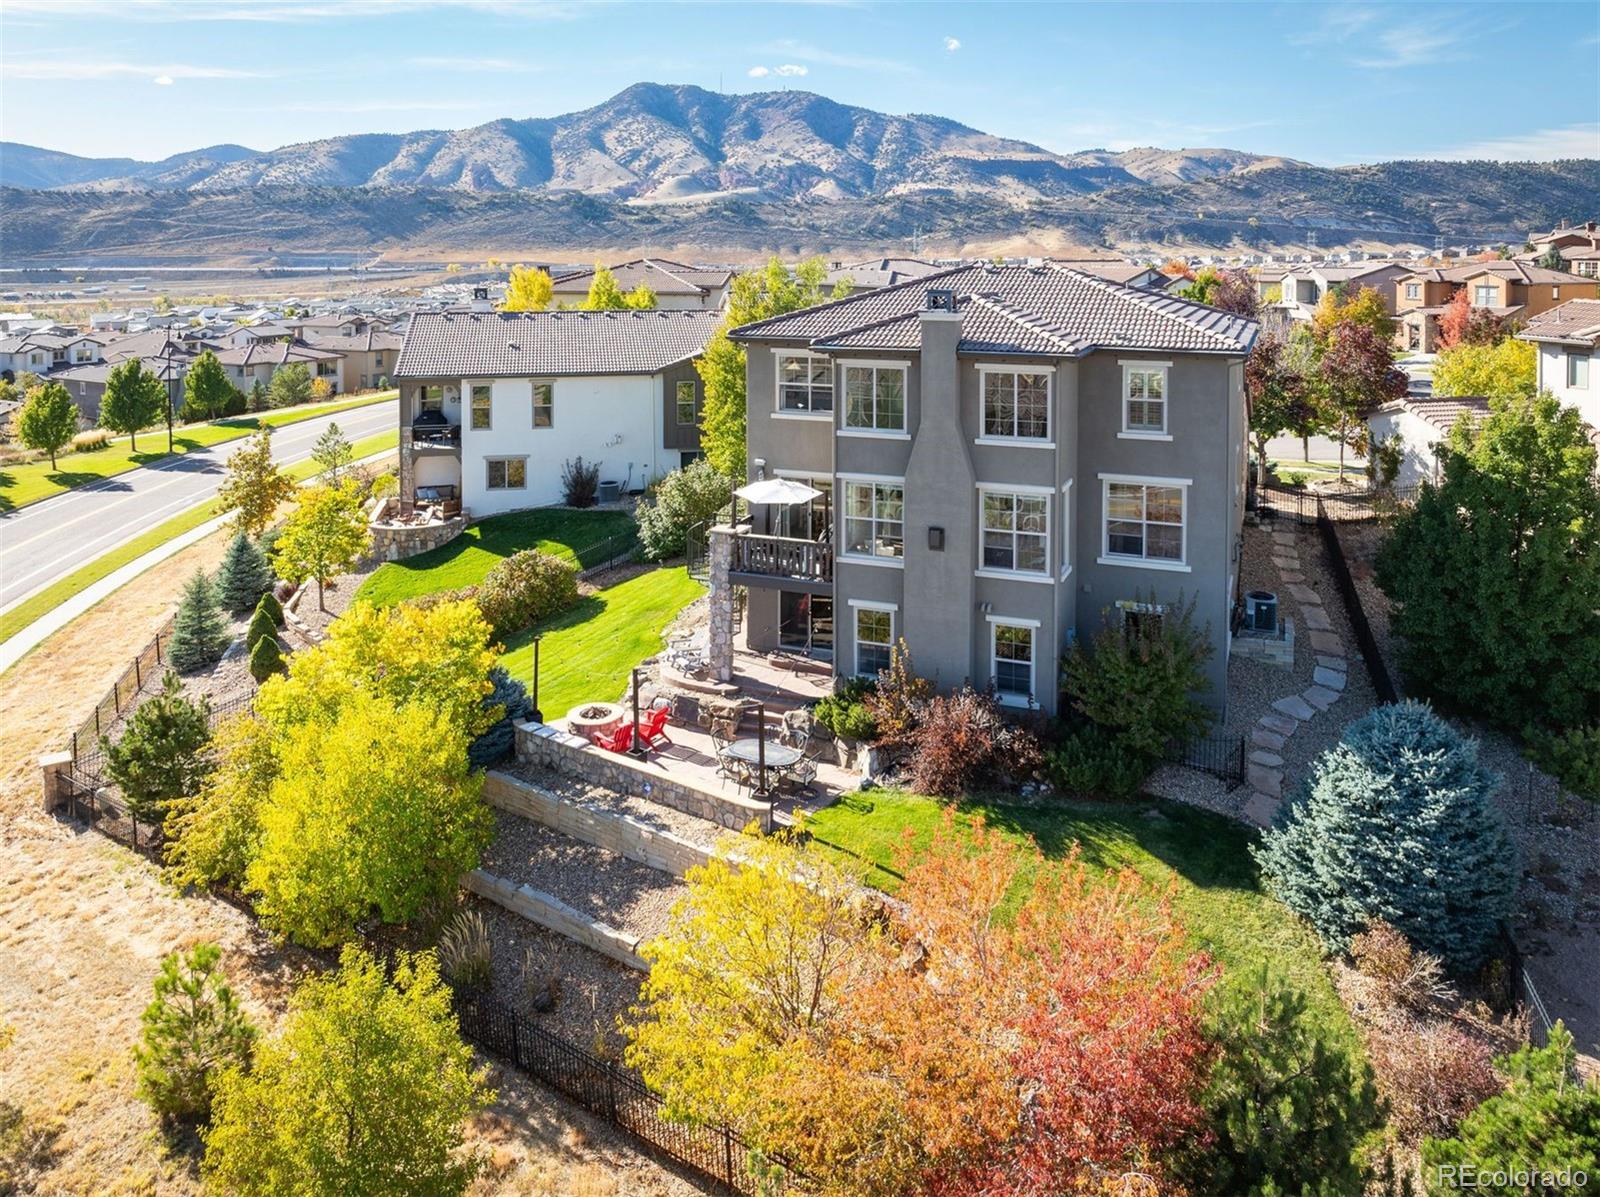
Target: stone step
pixel 1260 809
pixel 1295 707
pixel 1333 679
pixel 1283 725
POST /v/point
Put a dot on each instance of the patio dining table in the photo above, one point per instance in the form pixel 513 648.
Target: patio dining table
pixel 778 756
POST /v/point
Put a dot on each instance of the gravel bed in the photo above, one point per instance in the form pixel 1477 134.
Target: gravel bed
pixel 1361 542
pixel 594 990
pixel 339 594
pixel 653 814
pixel 631 897
pixel 1254 685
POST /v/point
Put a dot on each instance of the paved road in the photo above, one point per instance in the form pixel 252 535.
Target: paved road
pixel 46 540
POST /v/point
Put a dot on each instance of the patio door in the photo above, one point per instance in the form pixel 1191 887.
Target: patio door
pixel 805 623
pixel 806 521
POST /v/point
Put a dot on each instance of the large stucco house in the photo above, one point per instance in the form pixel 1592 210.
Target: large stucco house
pixel 1568 339
pixel 1008 457
pixel 493 404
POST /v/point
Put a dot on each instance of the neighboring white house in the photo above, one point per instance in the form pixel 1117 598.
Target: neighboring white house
pixel 493 404
pixel 1422 424
pixel 677 287
pixel 1568 338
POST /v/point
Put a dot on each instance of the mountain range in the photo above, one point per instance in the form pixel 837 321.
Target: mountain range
pixel 678 165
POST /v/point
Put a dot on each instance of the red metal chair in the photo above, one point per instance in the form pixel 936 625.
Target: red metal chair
pixel 655 728
pixel 619 741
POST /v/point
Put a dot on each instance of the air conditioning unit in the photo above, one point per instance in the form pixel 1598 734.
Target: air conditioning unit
pixel 1261 612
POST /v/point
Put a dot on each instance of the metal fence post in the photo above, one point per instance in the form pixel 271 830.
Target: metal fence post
pixel 727 1153
pixel 516 1050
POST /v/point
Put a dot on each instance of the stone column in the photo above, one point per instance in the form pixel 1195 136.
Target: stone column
pixel 54 765
pixel 719 637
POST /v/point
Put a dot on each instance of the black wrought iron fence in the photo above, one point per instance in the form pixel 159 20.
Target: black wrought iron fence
pixel 1219 755
pixel 605 1089
pixel 1276 501
pixel 613 550
pixel 144 671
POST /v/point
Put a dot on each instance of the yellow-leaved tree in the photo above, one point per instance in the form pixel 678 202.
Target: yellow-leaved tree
pixel 527 290
pixel 324 535
pixel 606 295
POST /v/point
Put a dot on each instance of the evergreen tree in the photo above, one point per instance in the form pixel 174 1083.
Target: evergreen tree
pixel 1288 1111
pixel 1547 1120
pixel 193 1029
pixel 162 753
pixel 510 698
pixel 1398 823
pixel 270 604
pixel 266 658
pixel 332 453
pixel 262 627
pixel 290 386
pixel 257 400
pixel 244 575
pixel 134 398
pixel 206 389
pixel 48 419
pixel 1495 573
pixel 198 634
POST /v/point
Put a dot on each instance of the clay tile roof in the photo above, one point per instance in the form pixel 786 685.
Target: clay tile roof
pixel 1047 310
pixel 1576 322
pixel 660 275
pixel 533 344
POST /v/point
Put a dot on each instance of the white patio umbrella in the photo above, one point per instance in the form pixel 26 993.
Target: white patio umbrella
pixel 777 492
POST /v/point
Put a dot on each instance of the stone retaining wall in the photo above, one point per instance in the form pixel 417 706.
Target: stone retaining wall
pixel 555 915
pixel 395 542
pixel 594 824
pixel 541 744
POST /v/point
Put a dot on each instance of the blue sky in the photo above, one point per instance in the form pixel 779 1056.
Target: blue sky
pixel 1331 84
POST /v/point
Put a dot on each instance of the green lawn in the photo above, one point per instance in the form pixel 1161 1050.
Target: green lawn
pixel 59 591
pixel 1218 894
pixel 574 535
pixel 589 649
pixel 24 484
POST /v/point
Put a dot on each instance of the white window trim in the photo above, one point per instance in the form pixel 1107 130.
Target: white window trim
pixel 841 400
pixel 1143 434
pixel 778 409
pixel 1005 698
pixel 893 610
pixel 1066 529
pixel 1016 575
pixel 1048 440
pixel 508 458
pixel 533 404
pixel 1106 557
pixel 1569 360
pixel 841 496
pixel 472 386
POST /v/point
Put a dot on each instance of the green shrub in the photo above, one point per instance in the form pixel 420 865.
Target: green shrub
pixel 525 588
pixel 1397 824
pixel 161 755
pixel 845 714
pixel 262 627
pixel 244 575
pixel 266 659
pixel 193 1029
pixel 198 634
pixel 580 482
pixel 1573 756
pixel 274 609
pixel 677 503
pixel 1288 1111
pixel 1138 680
pixel 1091 764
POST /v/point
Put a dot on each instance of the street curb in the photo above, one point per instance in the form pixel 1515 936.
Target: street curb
pixel 27 639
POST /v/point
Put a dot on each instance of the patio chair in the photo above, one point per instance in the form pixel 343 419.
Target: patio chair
pixel 618 741
pixel 796 731
pixel 802 775
pixel 734 770
pixel 655 727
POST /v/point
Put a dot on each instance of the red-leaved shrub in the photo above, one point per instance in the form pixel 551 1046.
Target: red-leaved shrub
pixel 963 743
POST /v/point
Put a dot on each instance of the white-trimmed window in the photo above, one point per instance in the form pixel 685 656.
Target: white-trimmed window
pixel 482 401
pixel 685 403
pixel 1144 399
pixel 874 519
pixel 506 473
pixel 1485 295
pixel 1578 371
pixel 429 398
pixel 805 383
pixel 1011 656
pixel 875 398
pixel 1016 405
pixel 1413 290
pixel 1144 521
pixel 874 623
pixel 1016 531
pixel 544 405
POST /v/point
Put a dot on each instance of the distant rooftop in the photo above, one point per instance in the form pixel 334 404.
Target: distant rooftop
pixel 530 344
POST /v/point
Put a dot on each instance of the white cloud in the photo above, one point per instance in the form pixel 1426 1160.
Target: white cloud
pixel 759 72
pixel 952 44
pixel 806 52
pixel 792 70
pixel 74 68
pixel 1538 145
pixel 1381 39
pixel 162 80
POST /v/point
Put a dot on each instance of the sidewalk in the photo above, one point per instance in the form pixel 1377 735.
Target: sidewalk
pixel 19 645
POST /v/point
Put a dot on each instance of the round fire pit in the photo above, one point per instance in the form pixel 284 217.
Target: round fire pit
pixel 590 719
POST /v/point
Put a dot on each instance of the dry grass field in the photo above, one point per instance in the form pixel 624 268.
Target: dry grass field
pixel 84 924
